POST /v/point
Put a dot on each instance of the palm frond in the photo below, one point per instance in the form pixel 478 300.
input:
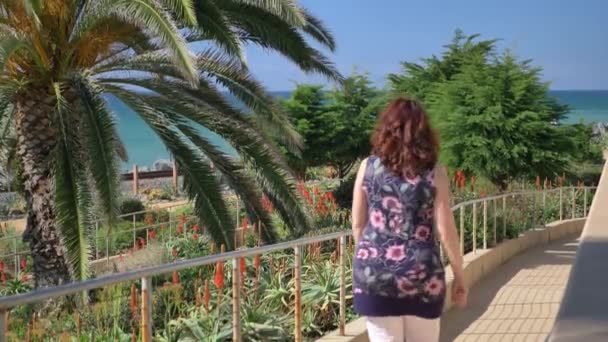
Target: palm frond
pixel 247 89
pixel 184 10
pixel 235 174
pixel 268 168
pixel 101 143
pixel 316 29
pixel 33 8
pixel 73 200
pixel 6 125
pixel 148 17
pixel 200 182
pixel 286 10
pixel 270 32
pixel 209 100
pixel 215 26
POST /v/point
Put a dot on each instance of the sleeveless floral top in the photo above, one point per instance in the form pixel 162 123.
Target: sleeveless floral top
pixel 397 269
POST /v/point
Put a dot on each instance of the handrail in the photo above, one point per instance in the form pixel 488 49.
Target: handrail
pixel 145 274
pixel 77 287
pixel 583 314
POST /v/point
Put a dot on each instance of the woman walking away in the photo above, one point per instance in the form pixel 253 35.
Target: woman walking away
pixel 401 199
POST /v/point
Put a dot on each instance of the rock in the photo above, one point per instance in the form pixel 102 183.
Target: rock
pixel 599 129
pixel 162 165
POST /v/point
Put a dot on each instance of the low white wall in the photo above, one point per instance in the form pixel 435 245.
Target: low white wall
pixel 479 264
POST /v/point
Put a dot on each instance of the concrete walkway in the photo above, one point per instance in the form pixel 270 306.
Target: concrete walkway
pixel 518 302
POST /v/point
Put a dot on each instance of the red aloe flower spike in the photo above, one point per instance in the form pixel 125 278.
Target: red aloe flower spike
pixel 206 295
pixel 180 230
pixel 218 280
pixel 1 266
pixel 133 300
pixel 195 228
pixel 174 252
pixel 182 219
pixel 257 262
pixel 175 277
pixel 537 181
pixel 194 237
pixel 3 277
pixel 242 266
pixel 23 264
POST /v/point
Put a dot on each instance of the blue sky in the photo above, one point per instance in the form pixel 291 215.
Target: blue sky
pixel 569 39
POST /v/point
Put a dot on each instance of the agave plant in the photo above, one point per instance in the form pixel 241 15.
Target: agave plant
pixel 61 59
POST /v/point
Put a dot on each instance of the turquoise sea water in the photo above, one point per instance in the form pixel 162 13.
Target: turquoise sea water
pixel 144 147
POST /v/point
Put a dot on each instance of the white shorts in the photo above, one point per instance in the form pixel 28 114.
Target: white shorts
pixel 402 328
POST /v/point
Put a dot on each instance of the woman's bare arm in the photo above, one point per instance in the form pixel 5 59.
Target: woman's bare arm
pixel 359 214
pixel 445 222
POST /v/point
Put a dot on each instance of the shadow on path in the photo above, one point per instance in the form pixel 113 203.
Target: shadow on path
pixel 526 288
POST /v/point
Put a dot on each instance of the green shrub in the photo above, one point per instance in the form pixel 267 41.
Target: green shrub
pixel 344 193
pixel 158 194
pixel 131 205
pixel 161 215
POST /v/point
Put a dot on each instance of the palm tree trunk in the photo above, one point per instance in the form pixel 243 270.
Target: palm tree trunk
pixel 36 141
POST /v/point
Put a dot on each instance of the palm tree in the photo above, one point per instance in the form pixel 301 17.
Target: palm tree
pixel 166 60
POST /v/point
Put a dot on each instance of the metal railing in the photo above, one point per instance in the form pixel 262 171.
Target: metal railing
pixel 482 223
pixel 102 243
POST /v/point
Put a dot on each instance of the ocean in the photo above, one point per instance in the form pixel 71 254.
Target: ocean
pixel 144 147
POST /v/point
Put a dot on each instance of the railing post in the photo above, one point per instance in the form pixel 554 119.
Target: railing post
pixel 3 325
pixel 495 219
pixel 342 323
pixel 485 224
pixel 561 204
pixel 585 202
pixel 16 257
pixel 573 202
pixel 175 185
pixel 96 240
pixel 534 211
pixel 462 230
pixel 107 250
pixel 544 206
pixel 146 309
pixel 298 295
pixel 504 217
pixel 135 180
pixel 236 301
pixel 134 233
pixel 474 227
pixel 170 222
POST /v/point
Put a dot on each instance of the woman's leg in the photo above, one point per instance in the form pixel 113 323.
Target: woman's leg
pixel 385 329
pixel 421 329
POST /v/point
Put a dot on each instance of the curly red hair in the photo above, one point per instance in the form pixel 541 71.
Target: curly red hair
pixel 404 139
